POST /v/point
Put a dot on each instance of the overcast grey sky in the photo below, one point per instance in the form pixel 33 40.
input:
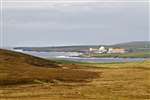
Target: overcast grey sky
pixel 46 23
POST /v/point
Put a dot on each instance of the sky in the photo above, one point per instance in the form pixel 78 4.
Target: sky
pixel 74 22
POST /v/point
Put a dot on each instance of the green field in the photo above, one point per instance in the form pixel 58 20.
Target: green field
pixel 126 55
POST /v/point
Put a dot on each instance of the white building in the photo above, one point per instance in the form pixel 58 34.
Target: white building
pixel 99 50
pixel 102 49
pixel 116 50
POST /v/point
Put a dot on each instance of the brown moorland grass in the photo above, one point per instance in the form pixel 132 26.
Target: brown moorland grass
pixel 114 84
pixel 18 68
pixel 123 81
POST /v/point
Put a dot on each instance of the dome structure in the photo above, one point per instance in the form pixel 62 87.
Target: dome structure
pixel 101 48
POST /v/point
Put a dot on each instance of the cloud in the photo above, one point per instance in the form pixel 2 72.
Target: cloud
pixel 66 23
pixel 67 3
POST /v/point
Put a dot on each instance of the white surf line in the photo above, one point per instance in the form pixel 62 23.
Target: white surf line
pixel 1 24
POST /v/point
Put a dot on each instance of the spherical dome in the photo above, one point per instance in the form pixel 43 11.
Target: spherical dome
pixel 102 48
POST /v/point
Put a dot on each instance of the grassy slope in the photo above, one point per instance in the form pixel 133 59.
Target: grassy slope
pixel 117 81
pixel 134 44
pixel 17 68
